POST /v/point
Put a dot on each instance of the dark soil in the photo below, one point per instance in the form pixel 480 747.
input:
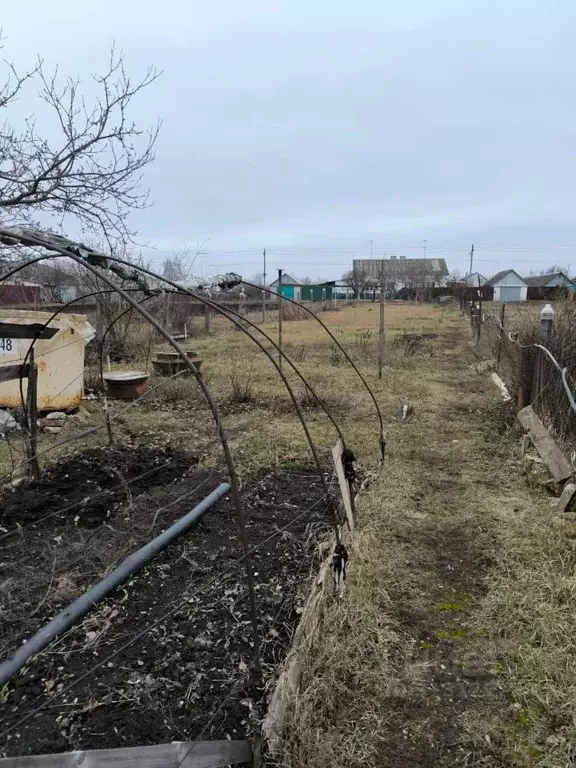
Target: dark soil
pixel 190 676
pixel 91 480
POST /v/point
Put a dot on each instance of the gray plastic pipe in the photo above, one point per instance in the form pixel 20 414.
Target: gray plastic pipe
pixel 83 604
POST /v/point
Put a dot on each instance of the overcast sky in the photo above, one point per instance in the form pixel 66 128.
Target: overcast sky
pixel 312 128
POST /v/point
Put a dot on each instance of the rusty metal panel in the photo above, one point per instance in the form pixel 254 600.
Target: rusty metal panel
pixel 60 360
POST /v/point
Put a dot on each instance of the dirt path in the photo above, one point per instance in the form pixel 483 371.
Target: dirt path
pixel 409 664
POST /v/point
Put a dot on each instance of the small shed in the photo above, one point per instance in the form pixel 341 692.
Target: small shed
pixel 554 285
pixel 290 287
pixel 508 286
pixel 60 360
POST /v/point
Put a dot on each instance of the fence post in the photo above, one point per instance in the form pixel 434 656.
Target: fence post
pixel 501 335
pixel 480 316
pixel 32 414
pixel 381 338
pixel 280 318
pixel 207 318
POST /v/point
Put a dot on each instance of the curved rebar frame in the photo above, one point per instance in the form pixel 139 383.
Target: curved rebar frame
pixel 290 362
pixel 233 476
pixel 184 291
pixel 295 402
pixel 179 289
pixel 382 439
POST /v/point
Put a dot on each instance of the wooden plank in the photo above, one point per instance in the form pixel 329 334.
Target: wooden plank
pixel 11 372
pixel 26 331
pixel 553 457
pixel 566 497
pixel 344 485
pixel 185 754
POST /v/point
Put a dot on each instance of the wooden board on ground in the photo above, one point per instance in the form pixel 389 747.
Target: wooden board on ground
pixel 553 457
pixel 185 754
pixel 566 497
pixel 344 485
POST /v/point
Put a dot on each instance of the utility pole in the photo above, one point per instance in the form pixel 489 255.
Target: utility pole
pixel 471 258
pixel 371 247
pixel 425 243
pixel 280 318
pixel 264 292
pixel 381 331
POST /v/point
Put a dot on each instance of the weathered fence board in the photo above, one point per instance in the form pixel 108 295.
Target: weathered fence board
pixel 26 331
pixel 11 372
pixel 344 485
pixel 552 456
pixel 185 754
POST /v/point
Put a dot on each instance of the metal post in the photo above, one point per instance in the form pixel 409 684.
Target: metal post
pixel 546 321
pixel 83 604
pixel 381 330
pixel 280 318
pixel 264 292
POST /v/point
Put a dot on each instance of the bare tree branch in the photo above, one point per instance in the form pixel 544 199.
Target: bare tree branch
pixel 92 171
pixel 180 265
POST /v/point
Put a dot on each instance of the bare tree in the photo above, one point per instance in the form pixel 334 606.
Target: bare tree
pixel 87 165
pixel 358 280
pixel 179 266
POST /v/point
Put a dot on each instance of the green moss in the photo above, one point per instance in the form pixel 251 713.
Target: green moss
pixel 457 635
pixel 454 601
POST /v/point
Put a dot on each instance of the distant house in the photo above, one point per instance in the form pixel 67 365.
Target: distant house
pixel 290 287
pixel 508 286
pixel 550 286
pixel 294 289
pixel 15 291
pixel 400 272
pixel 472 280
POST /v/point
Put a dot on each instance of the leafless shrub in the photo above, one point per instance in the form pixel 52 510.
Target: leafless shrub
pixel 309 401
pixel 293 312
pixel 300 354
pixel 242 387
pixel 178 390
pixel 416 344
pixel 336 356
pixel 364 344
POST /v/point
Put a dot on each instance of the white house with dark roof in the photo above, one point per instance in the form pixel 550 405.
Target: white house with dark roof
pixel 508 286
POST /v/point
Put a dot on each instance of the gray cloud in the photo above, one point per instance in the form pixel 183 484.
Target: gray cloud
pixel 311 128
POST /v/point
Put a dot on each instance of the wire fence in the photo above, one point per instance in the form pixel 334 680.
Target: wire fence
pixel 537 371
